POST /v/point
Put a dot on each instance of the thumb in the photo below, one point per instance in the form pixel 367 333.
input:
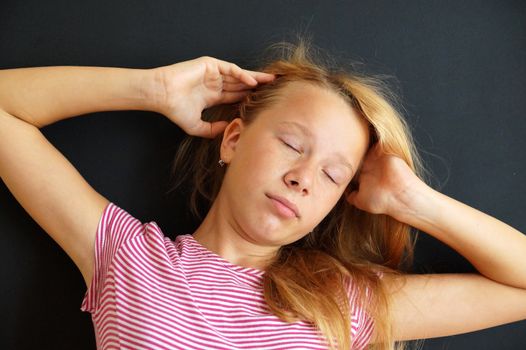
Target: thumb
pixel 207 129
pixel 218 127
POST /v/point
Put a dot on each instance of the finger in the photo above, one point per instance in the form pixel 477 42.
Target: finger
pixel 231 69
pixel 351 197
pixel 202 129
pixel 217 128
pixel 261 77
pixel 231 80
pixel 373 153
pixel 378 149
pixel 231 97
pixel 237 86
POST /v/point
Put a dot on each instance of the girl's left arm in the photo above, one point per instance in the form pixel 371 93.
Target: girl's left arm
pixel 437 305
pixel 387 185
pixel 497 250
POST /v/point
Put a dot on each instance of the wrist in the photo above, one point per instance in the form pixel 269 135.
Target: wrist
pixel 414 202
pixel 150 87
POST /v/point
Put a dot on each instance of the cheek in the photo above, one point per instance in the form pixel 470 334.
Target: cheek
pixel 262 161
pixel 325 205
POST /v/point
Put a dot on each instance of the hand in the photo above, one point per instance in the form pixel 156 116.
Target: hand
pixel 386 184
pixel 192 86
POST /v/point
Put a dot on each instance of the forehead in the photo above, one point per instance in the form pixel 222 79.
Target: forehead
pixel 303 91
pixel 318 109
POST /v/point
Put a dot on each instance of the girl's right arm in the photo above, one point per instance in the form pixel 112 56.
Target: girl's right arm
pixel 51 190
pixel 44 182
pixel 44 95
pixel 41 179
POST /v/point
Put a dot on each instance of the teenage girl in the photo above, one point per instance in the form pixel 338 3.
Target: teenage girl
pixel 313 184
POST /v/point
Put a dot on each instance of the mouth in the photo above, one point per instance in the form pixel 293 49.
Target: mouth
pixel 284 206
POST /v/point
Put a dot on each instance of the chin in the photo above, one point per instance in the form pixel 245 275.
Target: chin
pixel 267 229
pixel 269 238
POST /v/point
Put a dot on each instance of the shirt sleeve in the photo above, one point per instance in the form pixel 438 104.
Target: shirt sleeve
pixel 363 323
pixel 364 327
pixel 116 226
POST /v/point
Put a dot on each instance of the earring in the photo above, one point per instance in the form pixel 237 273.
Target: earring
pixel 221 163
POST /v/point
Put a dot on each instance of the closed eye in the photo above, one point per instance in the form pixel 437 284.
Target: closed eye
pixel 286 144
pixel 330 177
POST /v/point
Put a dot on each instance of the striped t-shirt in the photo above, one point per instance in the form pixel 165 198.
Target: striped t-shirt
pixel 149 292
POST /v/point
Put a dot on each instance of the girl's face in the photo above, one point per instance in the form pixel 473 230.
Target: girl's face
pixel 306 149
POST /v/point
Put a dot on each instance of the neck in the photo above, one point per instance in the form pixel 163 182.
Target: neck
pixel 220 233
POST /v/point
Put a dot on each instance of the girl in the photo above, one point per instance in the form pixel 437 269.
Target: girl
pixel 313 183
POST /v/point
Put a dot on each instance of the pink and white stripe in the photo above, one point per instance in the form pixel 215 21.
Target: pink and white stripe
pixel 149 292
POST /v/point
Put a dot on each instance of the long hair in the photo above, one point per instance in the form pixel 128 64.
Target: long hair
pixel 310 279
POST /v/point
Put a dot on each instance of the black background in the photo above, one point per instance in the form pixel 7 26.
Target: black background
pixel 461 74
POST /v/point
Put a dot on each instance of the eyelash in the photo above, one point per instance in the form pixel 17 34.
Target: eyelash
pixel 330 178
pixel 286 144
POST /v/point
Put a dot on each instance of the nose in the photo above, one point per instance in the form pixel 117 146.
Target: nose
pixel 300 179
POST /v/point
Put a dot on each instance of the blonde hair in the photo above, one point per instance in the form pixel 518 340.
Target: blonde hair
pixel 308 279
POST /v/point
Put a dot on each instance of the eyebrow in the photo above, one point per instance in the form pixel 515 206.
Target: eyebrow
pixel 304 130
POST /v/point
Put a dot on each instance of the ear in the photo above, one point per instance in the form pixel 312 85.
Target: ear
pixel 231 137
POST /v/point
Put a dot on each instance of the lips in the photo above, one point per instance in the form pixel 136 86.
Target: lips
pixel 286 203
